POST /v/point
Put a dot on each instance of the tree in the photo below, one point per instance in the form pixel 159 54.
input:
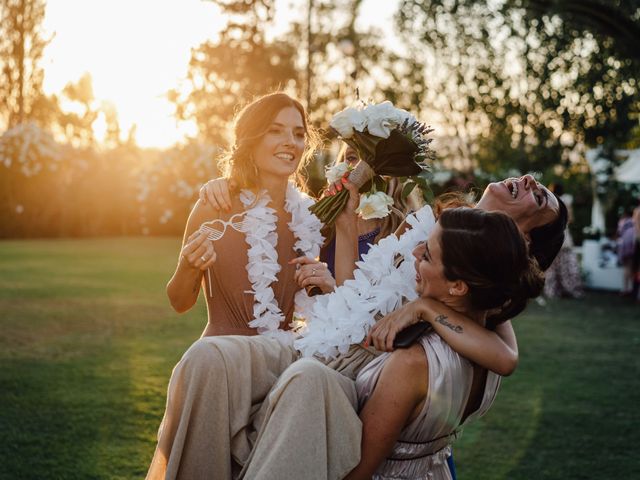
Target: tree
pixel 239 66
pixel 523 90
pixel 77 125
pixel 21 49
pixel 617 20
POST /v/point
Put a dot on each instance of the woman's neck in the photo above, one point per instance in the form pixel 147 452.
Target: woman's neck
pixel 277 190
pixel 366 226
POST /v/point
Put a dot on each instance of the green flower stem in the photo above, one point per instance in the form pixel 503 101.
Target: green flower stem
pixel 322 206
pixel 329 208
pixel 341 201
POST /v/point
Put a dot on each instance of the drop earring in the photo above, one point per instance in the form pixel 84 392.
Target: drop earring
pixel 255 168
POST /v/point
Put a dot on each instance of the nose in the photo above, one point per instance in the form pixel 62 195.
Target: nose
pixel 418 251
pixel 529 182
pixel 288 137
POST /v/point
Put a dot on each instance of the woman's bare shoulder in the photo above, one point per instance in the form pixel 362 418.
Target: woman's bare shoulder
pixel 200 213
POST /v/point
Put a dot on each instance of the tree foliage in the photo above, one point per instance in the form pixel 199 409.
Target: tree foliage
pixel 21 48
pixel 520 88
pixel 240 65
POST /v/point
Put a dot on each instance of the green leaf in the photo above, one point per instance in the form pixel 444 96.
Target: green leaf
pixel 407 189
pixel 380 185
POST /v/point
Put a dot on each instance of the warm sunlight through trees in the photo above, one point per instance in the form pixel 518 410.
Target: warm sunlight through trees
pixel 510 87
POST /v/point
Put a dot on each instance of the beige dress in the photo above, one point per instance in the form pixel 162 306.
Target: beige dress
pixel 220 382
pixel 230 393
pixel 229 307
pixel 424 445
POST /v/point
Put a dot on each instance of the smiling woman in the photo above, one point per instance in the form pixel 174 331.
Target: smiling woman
pixel 271 222
pixel 133 61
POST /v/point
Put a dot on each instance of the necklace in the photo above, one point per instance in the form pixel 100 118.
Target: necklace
pixel 262 266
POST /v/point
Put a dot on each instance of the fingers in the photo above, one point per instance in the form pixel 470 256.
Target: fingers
pixel 305 261
pixel 198 251
pixel 193 242
pixel 212 198
pixel 208 258
pixel 391 336
pixel 216 193
pixel 338 186
pixel 221 192
pixel 312 272
pixel 382 334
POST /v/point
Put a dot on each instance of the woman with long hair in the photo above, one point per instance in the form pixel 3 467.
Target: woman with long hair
pixel 248 247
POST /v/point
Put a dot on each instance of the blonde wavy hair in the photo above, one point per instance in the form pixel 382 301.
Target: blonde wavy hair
pixel 401 206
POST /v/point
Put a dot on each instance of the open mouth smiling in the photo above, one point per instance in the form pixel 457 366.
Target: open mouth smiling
pixel 285 156
pixel 512 186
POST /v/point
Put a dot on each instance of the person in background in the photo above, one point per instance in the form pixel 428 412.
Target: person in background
pixel 563 278
pixel 625 243
pixel 635 262
pixel 372 230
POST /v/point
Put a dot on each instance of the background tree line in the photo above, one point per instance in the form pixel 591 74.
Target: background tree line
pixel 513 87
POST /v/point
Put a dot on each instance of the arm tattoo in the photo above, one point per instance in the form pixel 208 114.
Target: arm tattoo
pixel 442 319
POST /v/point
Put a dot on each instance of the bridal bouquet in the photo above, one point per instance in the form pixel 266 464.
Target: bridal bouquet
pixel 389 141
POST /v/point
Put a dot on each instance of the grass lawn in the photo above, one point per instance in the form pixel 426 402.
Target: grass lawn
pixel 88 341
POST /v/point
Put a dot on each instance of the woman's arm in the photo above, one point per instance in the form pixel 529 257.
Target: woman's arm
pixel 397 398
pixel 347 237
pixel 495 350
pixel 184 286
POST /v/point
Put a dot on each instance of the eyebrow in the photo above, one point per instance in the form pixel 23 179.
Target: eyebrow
pixel 278 124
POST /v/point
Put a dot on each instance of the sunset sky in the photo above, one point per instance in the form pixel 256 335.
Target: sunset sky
pixel 137 50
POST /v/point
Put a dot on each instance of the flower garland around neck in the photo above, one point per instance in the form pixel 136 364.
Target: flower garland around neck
pixel 262 266
pixel 380 285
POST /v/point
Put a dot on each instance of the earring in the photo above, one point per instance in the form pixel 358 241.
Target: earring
pixel 451 291
pixel 255 168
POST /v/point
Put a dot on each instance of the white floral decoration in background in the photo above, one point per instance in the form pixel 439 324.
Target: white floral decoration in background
pixel 30 149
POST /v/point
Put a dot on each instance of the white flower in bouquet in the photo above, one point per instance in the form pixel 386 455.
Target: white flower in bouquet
pixel 347 120
pixel 384 117
pixel 374 205
pixel 336 172
pixel 390 142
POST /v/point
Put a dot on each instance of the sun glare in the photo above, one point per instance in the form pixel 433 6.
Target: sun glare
pixel 134 51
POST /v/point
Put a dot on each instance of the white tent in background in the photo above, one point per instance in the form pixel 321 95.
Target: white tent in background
pixel 598 166
pixel 629 171
pixel 602 271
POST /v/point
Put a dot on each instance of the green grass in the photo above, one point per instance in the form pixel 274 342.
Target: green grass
pixel 88 341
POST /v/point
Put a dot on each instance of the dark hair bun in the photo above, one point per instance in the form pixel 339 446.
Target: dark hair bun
pixel 529 285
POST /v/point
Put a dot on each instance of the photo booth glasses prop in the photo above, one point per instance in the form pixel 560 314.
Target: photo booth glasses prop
pixel 216 229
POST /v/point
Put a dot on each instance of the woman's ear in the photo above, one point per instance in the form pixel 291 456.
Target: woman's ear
pixel 458 288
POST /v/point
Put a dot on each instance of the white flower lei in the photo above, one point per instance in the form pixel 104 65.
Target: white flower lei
pixel 343 317
pixel 262 266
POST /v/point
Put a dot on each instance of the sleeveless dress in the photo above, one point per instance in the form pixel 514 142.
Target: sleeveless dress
pixel 218 385
pixel 230 307
pixel 424 445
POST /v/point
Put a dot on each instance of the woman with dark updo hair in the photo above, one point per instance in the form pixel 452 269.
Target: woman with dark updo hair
pixel 412 402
